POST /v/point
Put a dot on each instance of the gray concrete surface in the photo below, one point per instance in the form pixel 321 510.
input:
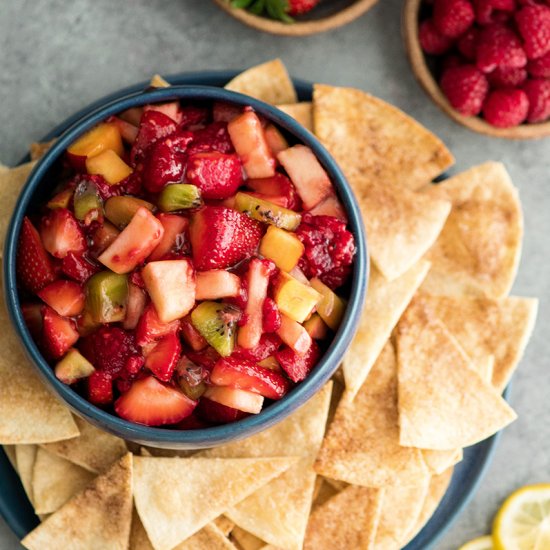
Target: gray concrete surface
pixel 57 56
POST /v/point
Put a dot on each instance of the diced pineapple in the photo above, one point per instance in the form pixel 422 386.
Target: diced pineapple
pixel 109 165
pixel 267 212
pixel 294 335
pixel 284 248
pixel 331 307
pixel 295 299
pixel 316 327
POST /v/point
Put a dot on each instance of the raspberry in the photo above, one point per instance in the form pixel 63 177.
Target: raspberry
pixel 451 61
pixel 534 26
pixel 538 93
pixel 506 107
pixel 467 44
pixel 507 78
pixel 485 10
pixel 431 40
pixel 499 46
pixel 465 88
pixel 453 17
pixel 540 67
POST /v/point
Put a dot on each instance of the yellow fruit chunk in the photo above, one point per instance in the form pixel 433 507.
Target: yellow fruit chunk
pixel 523 521
pixel 270 363
pixel 316 327
pixel 103 137
pixel 295 299
pixel 284 248
pixel 481 543
pixel 331 307
pixel 109 165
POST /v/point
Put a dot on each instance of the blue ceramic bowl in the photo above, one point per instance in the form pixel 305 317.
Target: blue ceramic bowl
pixel 38 188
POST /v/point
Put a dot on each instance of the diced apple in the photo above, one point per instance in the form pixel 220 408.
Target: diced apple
pixel 275 140
pixel 295 299
pixel 299 275
pixel 134 306
pixel 217 283
pixel 294 335
pixel 236 399
pixel 174 234
pixel 225 112
pixel 316 327
pixel 101 138
pixel 109 165
pixel 266 211
pixel 171 285
pixel 139 238
pixel 330 206
pixel 171 109
pixel 121 210
pixel 281 246
pixel 73 367
pixel 249 140
pixel 128 131
pixel 132 115
pixel 307 174
pixel 331 307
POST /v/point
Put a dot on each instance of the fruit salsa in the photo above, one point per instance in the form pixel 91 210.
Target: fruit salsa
pixel 187 267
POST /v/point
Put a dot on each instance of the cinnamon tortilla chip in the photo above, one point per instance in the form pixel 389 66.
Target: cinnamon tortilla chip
pixel 10 453
pixel 443 402
pixel 158 82
pixel 374 141
pixel 362 444
pixel 38 149
pixel 25 456
pixel 246 540
pixel 386 301
pixel 323 491
pixel 97 517
pixel 302 112
pixel 224 524
pixel 268 82
pixel 440 461
pixel 479 248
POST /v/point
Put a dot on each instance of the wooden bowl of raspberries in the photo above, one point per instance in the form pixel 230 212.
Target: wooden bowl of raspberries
pixel 486 63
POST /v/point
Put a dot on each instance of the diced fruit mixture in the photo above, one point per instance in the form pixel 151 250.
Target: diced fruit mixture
pixel 184 274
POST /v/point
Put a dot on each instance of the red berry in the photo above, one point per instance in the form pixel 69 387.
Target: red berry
pixel 505 108
pixel 540 67
pixel 298 366
pixel 216 413
pixel 269 344
pixel 218 176
pixel 507 78
pixel 466 88
pixel 431 40
pixel 534 26
pixel 192 115
pixel 153 126
pixel 491 11
pixel 213 137
pixel 78 267
pixel 299 7
pixel 499 46
pixel 271 316
pixel 453 17
pixel 100 388
pixel 61 233
pixel 163 358
pixel 58 334
pixel 451 61
pixel 538 93
pixel 467 43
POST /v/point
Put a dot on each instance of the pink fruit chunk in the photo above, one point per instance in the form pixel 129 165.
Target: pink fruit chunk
pixel 218 176
pixel 278 185
pixel 294 335
pixel 61 233
pixel 245 375
pixel 153 126
pixel 127 131
pixel 163 358
pixel 65 297
pixel 58 334
pixel 191 335
pixel 271 316
pixel 151 328
pixel 275 140
pixel 249 141
pixel 236 399
pixel 171 109
pixel 216 413
pixel 100 388
pixel 307 174
pixel 139 238
pixel 135 305
pixel 330 206
pixel 225 112
pixel 297 366
pixel 217 283
pixel 174 235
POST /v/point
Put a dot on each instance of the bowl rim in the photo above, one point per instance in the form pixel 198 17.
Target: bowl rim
pixel 217 435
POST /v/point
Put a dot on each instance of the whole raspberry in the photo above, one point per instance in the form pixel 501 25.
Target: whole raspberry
pixel 431 40
pixel 466 88
pixel 506 107
pixel 534 26
pixel 451 61
pixel 499 46
pixel 507 78
pixel 540 67
pixel 491 11
pixel 453 17
pixel 538 93
pixel 467 43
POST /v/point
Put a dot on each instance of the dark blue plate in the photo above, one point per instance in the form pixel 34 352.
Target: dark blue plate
pixel 18 512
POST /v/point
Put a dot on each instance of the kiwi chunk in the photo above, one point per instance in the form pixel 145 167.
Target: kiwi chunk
pixel 106 297
pixel 267 212
pixel 179 196
pixel 73 367
pixel 121 210
pixel 217 324
pixel 88 206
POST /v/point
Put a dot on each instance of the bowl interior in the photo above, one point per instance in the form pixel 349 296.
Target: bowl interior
pixel 39 187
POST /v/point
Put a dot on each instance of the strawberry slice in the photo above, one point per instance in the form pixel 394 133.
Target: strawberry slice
pixel 245 375
pixel 153 403
pixel 216 413
pixel 163 358
pixel 153 126
pixel 221 237
pixel 78 267
pixel 296 365
pixel 66 297
pixel 206 357
pixel 100 388
pixel 62 234
pixel 58 334
pixel 34 267
pixel 218 176
pixel 151 328
pixel 213 137
pixel 271 316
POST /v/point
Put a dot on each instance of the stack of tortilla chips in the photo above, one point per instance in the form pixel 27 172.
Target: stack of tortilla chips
pixel 365 463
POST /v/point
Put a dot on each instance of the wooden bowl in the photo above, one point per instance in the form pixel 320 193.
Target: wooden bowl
pixel 326 16
pixel 425 77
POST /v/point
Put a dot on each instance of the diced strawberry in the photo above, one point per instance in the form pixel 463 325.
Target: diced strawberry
pixel 153 126
pixel 268 345
pixel 221 237
pixel 153 403
pixel 135 304
pixel 61 233
pixel 163 358
pixel 218 176
pixel 206 358
pixel 225 112
pixel 58 334
pixel 150 327
pixel 216 413
pixel 171 109
pixel 237 399
pixel 213 137
pixel 245 375
pixel 277 185
pixel 132 367
pixel 34 267
pixel 136 278
pixel 191 335
pixel 78 267
pixel 32 315
pixel 193 115
pixel 100 388
pixel 271 316
pixel 65 297
pixel 192 422
pixel 298 366
pixel 175 228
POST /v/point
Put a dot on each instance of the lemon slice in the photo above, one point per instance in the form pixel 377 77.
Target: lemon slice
pixel 481 543
pixel 523 522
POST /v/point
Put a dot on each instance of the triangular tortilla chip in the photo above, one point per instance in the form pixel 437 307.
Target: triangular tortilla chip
pixel 176 497
pixel 483 326
pixel 25 456
pixel 279 511
pixel 362 444
pixel 98 517
pixel 224 524
pixel 268 82
pixel 440 461
pixel 3 168
pixel 246 540
pixel 443 402
pixel 479 248
pixel 10 453
pixel 302 112
pixel 39 149
pixel 401 225
pixel 94 449
pixel 158 81
pixel 29 413
pixel 348 520
pixel 376 141
pixel 55 481
pixel 385 303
